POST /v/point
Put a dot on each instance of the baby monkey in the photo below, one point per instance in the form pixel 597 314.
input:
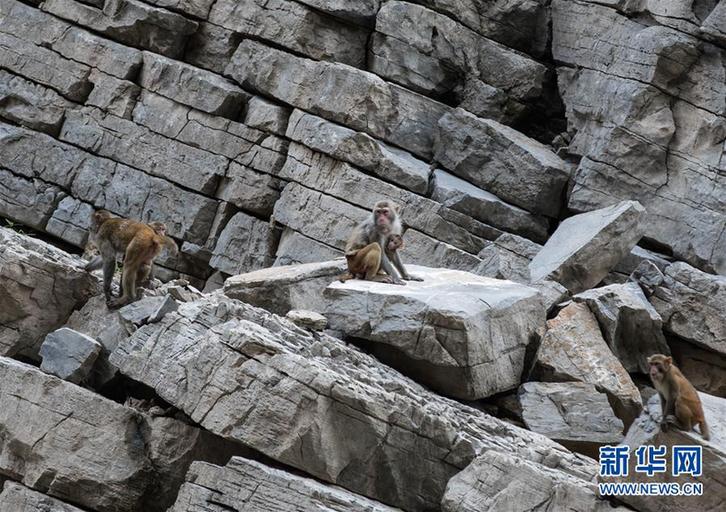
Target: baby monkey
pixel 679 400
pixel 366 263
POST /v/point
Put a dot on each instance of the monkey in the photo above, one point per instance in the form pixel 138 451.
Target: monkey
pixel 139 243
pixel 678 398
pixel 366 263
pixel 384 221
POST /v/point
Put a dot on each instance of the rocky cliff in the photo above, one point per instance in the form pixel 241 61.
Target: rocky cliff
pixel 560 167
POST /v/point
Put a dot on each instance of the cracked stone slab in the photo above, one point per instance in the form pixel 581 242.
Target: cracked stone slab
pixel 573 349
pixel 584 248
pixel 40 286
pixel 31 105
pixel 305 31
pixel 319 405
pixel 18 498
pixel 461 334
pixel 131 22
pixel 500 481
pixel 247 486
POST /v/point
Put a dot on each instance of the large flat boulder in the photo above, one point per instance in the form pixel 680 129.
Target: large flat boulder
pixel 573 349
pixel 40 286
pixel 77 446
pixel 584 248
pixel 646 431
pixel 503 161
pixel 244 485
pixel 318 404
pixel 631 326
pixel 461 334
pixel 287 287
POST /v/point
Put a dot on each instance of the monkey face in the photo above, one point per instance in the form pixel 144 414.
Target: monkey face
pixel 395 243
pixel 658 366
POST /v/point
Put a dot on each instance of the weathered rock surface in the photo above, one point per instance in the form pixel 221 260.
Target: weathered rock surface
pixel 69 354
pixel 573 349
pixel 501 160
pixel 319 405
pixel 500 481
pixel 575 414
pixel 131 22
pixel 691 304
pixel 584 248
pixel 334 91
pixel 72 444
pixel 245 244
pixel 646 431
pixel 284 288
pixel 40 286
pixel 248 486
pixel 466 198
pixel 18 498
pixel 360 149
pixel 31 105
pixel 508 257
pixel 294 26
pixel 461 334
pixel 647 105
pixel 429 52
pixel 307 319
pixel 631 326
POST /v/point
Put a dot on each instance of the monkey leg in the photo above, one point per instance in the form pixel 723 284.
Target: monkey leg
pixel 684 416
pixel 370 257
pixel 144 276
pixel 136 257
pixel 109 267
pixel 94 264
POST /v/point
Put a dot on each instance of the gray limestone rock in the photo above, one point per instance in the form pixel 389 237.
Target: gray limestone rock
pixel 245 244
pixel 18 498
pixel 40 286
pixel 502 161
pixel 460 334
pixel 500 481
pixel 632 328
pixel 319 405
pixel 334 91
pixel 247 486
pixel 575 414
pixel 584 248
pixel 69 355
pixel 31 105
pixel 307 319
pixel 281 289
pixel 573 349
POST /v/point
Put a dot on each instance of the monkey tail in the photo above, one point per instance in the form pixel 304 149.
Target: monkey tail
pixel 704 430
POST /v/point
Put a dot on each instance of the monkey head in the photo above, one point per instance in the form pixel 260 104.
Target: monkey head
pixel 659 366
pixel 158 227
pixel 384 214
pixel 99 217
pixel 394 243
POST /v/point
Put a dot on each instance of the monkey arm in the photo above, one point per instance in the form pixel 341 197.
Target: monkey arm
pixel 399 265
pixel 95 263
pixel 386 263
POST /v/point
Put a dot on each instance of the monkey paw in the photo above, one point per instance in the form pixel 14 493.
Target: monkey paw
pixel 413 278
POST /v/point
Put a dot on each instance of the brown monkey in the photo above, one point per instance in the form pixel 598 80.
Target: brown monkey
pixel 139 243
pixel 678 398
pixel 376 229
pixel 366 263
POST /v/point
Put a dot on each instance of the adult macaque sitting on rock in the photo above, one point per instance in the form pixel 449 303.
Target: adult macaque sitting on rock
pixel 369 243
